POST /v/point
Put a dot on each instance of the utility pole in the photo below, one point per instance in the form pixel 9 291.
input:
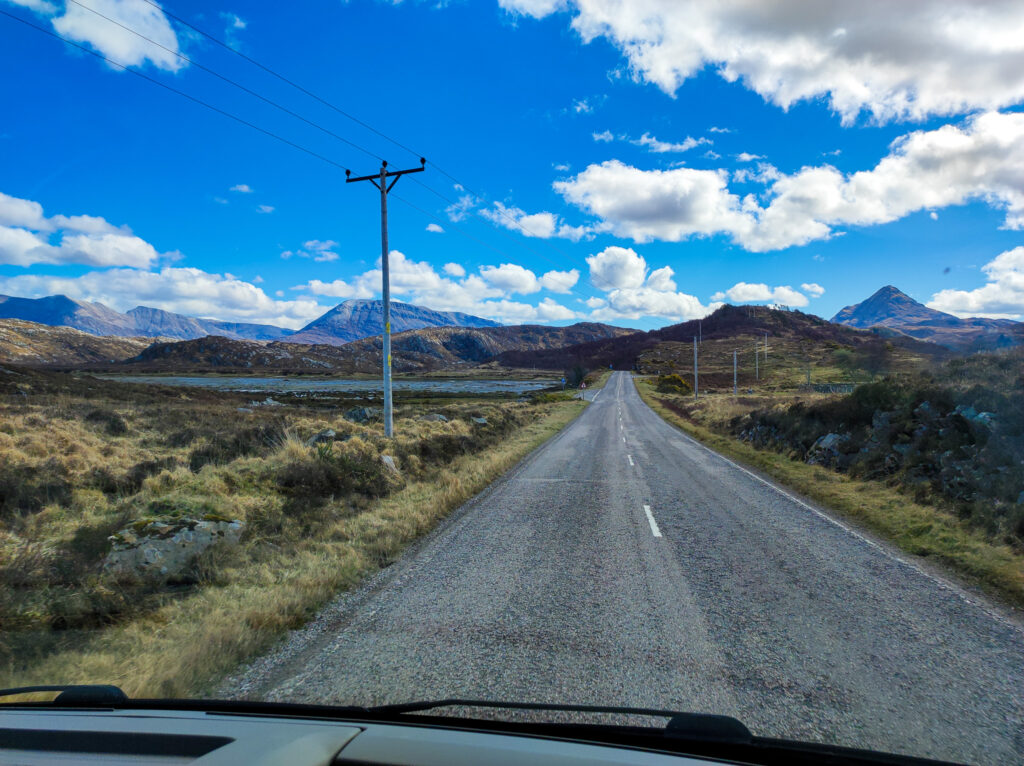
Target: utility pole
pixel 380 180
pixel 757 355
pixel 695 369
pixel 734 391
pixel 700 330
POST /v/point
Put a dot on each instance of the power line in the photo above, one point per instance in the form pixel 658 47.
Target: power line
pixel 172 89
pixel 345 114
pixel 283 79
pixel 264 131
pixel 228 80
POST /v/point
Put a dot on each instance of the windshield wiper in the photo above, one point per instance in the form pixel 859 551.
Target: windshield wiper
pixel 700 726
pixel 77 694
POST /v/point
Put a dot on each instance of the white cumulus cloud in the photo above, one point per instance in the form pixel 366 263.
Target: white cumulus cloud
pixel 980 159
pixel 543 225
pixel 511 278
pixel 115 42
pixel 28 237
pixel 932 57
pixel 746 292
pixel 560 281
pixel 632 291
pixel 183 290
pixel 1001 297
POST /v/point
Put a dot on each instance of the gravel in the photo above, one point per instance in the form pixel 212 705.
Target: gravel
pixel 550 587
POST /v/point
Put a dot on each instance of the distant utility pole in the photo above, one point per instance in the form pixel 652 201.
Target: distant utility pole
pixel 380 180
pixel 695 368
pixel 757 355
pixel 700 330
pixel 734 391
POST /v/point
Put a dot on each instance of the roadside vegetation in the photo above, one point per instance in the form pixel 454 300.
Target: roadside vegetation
pixel 308 497
pixel 932 460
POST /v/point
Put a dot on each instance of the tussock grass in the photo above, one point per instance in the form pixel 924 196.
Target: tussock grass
pixel 917 528
pixel 318 519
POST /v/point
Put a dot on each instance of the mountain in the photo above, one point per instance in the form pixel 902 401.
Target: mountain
pixel 62 311
pixel 30 343
pixel 428 348
pixel 355 319
pixel 97 319
pixel 894 309
pixel 156 322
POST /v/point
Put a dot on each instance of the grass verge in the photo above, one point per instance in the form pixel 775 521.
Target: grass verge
pixel 182 648
pixel 918 529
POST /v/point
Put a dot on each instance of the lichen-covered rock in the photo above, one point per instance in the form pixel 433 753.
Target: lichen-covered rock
pixel 165 550
pixel 826 450
pixel 323 437
pixel 362 414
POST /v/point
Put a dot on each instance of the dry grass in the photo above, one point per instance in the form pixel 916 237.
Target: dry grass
pixel 919 529
pixel 317 521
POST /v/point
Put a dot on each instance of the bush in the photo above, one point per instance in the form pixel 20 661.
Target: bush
pixel 28 488
pixel 223 448
pixel 673 384
pixel 112 423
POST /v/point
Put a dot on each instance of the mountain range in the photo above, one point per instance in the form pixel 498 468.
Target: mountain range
pixel 891 308
pixel 351 320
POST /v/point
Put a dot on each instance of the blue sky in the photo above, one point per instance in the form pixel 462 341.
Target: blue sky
pixel 633 163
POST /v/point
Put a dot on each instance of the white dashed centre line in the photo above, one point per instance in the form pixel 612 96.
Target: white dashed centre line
pixel 630 459
pixel 650 520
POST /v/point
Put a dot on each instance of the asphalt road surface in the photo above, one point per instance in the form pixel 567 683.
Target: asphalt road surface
pixel 622 563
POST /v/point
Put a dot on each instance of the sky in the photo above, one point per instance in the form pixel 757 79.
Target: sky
pixel 636 163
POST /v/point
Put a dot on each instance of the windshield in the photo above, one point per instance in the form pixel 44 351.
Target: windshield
pixel 658 354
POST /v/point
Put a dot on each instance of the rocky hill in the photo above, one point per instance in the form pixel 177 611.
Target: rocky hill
pixel 355 319
pixel 30 343
pixel 419 350
pixel 894 309
pixel 670 349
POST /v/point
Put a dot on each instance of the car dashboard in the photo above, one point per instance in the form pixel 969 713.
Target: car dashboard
pixel 30 736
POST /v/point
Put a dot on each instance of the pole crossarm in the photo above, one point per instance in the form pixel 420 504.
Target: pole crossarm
pixel 388 174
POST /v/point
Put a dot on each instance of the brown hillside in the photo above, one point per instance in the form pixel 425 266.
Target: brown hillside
pixel 804 338
pixel 38 344
pixel 420 350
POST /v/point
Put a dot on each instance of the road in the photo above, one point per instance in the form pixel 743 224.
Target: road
pixel 623 563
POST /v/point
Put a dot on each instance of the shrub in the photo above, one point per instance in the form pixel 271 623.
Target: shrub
pixel 673 384
pixel 112 423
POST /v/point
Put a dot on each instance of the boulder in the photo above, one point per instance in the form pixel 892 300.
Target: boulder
pixel 362 414
pixel 435 417
pixel 165 550
pixel 389 464
pixel 322 437
pixel 825 451
pixel 480 421
pixel 924 410
pixel 966 411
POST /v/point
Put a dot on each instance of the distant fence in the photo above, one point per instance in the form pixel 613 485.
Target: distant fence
pixel 828 388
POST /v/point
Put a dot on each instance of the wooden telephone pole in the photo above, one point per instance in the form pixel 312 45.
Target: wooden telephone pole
pixel 380 180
